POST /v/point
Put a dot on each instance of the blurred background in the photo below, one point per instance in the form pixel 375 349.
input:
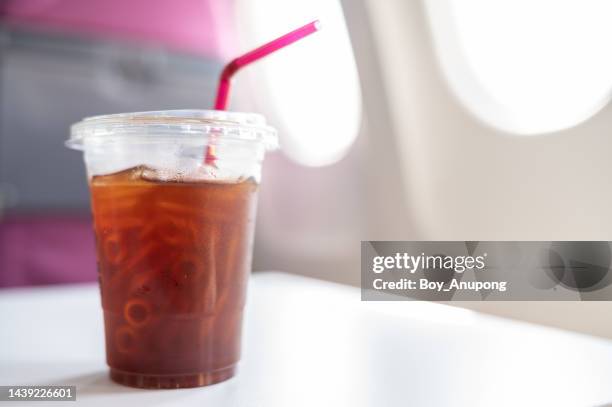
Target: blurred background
pixel 400 120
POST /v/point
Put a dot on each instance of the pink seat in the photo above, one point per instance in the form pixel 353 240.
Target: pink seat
pixel 200 27
pixel 46 250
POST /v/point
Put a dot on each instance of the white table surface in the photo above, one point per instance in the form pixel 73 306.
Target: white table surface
pixel 312 343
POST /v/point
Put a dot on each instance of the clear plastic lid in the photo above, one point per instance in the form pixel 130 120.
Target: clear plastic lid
pixel 174 124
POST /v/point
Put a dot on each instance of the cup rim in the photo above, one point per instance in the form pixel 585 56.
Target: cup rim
pixel 177 124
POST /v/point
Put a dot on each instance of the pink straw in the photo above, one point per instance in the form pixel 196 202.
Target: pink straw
pixel 246 59
pixel 258 53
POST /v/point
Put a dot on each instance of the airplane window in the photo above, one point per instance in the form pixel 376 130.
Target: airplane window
pixel 526 66
pixel 309 92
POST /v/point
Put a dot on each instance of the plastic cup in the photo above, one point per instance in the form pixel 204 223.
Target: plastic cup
pixel 174 238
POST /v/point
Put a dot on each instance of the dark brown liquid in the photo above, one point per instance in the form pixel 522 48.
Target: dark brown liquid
pixel 174 259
